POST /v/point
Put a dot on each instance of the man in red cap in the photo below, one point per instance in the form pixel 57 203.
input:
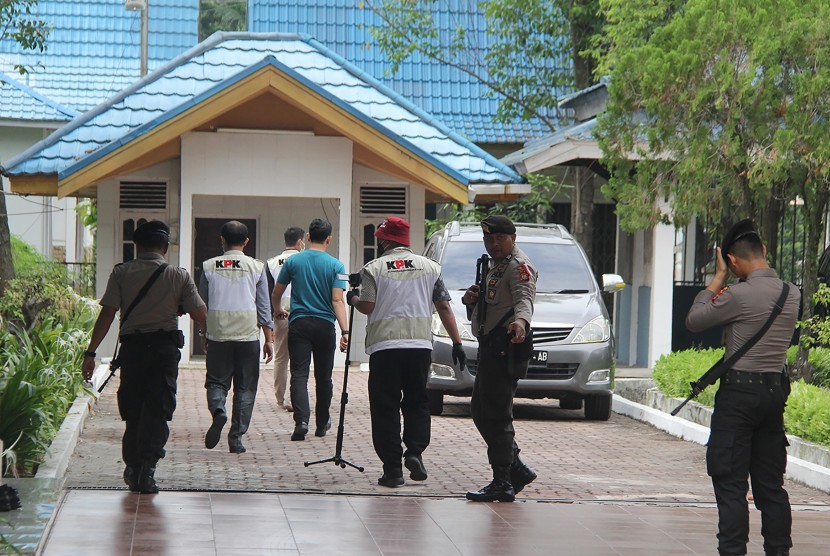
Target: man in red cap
pixel 400 290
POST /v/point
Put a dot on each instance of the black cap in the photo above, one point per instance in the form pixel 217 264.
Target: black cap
pixel 495 224
pixel 740 230
pixel 154 229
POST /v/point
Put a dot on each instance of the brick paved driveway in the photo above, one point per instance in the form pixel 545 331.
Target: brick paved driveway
pixel 621 460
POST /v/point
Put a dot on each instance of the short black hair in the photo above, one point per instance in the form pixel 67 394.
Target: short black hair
pixel 748 246
pixel 293 235
pixel 319 230
pixel 234 232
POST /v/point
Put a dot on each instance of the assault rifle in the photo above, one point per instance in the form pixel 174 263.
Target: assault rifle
pixel 482 265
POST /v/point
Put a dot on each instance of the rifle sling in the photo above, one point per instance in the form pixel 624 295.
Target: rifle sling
pixel 722 366
pixel 141 293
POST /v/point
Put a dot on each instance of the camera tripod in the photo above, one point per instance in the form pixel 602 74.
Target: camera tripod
pixel 344 399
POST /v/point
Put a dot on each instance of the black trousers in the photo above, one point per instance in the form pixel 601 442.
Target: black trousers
pixel 147 395
pixel 310 337
pixel 398 385
pixel 748 440
pixel 492 407
pixel 237 363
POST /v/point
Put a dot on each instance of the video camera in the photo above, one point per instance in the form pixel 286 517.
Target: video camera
pixel 353 279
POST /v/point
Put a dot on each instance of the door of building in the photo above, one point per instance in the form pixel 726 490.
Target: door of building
pixel 206 245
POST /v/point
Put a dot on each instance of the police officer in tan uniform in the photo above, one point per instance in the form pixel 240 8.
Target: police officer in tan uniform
pixel 149 353
pixel 747 429
pixel 510 290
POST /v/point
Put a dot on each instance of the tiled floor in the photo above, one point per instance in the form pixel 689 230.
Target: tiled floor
pixel 203 523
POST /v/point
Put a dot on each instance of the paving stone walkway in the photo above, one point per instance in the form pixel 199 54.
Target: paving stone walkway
pixel 617 460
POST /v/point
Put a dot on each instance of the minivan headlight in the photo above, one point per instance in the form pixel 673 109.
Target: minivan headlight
pixel 439 330
pixel 597 330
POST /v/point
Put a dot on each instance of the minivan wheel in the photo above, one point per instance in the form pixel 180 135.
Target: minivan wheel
pixel 570 402
pixel 597 408
pixel 436 402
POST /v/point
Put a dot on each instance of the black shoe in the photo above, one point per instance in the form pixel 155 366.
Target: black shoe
pixel 237 449
pixel 300 430
pixel 417 471
pixel 215 430
pixel 146 480
pixel 521 475
pixel 390 481
pixel 500 491
pixel 321 431
pixel 131 478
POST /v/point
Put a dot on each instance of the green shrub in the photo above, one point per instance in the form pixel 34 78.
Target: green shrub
pixel 819 358
pixel 673 372
pixel 808 408
pixel 808 413
pixel 39 379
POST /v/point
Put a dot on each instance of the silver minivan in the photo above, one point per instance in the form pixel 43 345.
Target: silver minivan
pixel 573 358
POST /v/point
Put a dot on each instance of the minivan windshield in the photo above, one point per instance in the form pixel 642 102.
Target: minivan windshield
pixel 562 269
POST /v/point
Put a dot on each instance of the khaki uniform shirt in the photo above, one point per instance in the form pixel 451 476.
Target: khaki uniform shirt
pixel 511 284
pixel 158 310
pixel 742 309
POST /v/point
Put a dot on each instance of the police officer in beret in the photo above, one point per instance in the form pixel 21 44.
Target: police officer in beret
pixel 149 352
pixel 510 287
pixel 747 437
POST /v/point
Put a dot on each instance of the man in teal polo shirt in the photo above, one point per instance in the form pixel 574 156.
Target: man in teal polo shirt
pixel 316 302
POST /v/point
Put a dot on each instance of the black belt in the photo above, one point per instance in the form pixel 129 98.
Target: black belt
pixel 149 335
pixel 746 377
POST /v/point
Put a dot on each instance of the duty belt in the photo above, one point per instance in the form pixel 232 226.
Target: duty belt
pixel 746 377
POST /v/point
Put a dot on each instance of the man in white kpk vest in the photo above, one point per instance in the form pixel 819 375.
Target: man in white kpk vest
pixel 399 292
pixel 293 245
pixel 235 289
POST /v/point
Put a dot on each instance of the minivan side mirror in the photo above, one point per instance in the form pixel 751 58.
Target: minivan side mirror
pixel 612 283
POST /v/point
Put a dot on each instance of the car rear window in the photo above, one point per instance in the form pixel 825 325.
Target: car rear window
pixel 561 266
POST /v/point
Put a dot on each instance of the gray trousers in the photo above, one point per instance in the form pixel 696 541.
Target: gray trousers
pixel 237 363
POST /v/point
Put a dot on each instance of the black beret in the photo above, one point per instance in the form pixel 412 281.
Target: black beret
pixel 495 224
pixel 152 230
pixel 740 230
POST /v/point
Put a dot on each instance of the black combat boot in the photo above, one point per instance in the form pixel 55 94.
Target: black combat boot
pixel 146 480
pixel 777 551
pixel 520 474
pixel 131 477
pixel 500 490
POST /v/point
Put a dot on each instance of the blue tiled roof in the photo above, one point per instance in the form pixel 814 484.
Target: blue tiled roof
pixel 447 93
pixel 224 59
pixel 93 48
pixel 93 52
pixel 20 102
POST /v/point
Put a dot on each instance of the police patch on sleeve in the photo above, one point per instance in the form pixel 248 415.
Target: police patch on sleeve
pixel 717 295
pixel 524 273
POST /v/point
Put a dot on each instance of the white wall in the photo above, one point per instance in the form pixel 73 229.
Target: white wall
pixel 42 222
pixel 279 180
pixel 109 236
pixel 287 179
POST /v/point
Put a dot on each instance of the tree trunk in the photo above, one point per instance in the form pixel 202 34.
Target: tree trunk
pixel 770 219
pixel 6 263
pixel 813 218
pixel 582 210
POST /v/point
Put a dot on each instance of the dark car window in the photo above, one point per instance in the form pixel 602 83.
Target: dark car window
pixel 561 267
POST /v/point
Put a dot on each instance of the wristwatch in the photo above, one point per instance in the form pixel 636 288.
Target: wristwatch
pixel 88 353
pixel 344 332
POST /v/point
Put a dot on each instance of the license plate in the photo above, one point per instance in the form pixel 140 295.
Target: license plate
pixel 540 357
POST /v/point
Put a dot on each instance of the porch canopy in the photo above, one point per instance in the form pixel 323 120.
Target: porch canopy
pixel 252 81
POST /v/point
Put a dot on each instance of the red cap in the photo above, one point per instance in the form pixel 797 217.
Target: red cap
pixel 394 229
